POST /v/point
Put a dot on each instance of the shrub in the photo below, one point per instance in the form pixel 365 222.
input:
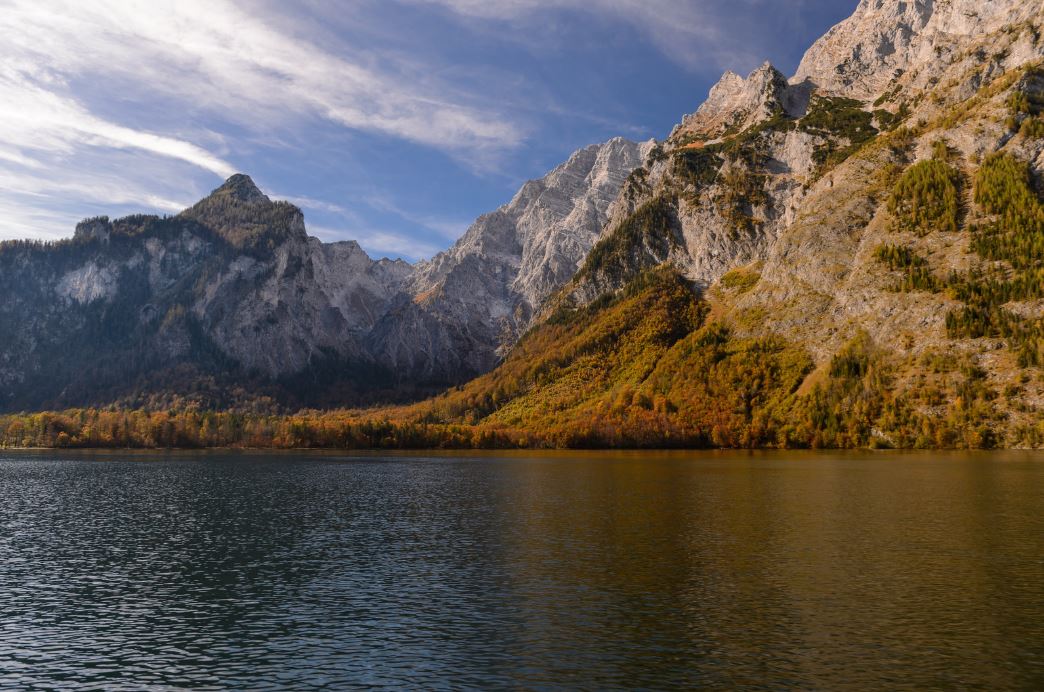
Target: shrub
pixel 740 280
pixel 1004 187
pixel 845 125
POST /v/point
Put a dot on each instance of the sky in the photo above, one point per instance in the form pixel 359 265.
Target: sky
pixel 392 122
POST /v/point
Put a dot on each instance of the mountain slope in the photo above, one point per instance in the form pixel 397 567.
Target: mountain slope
pixel 851 257
pixel 469 304
pixel 886 44
pixel 865 241
pixel 217 304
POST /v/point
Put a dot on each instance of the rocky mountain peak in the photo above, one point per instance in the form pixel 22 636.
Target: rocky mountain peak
pixel 246 217
pixel 736 103
pixel 549 225
pixel 471 302
pixel 242 188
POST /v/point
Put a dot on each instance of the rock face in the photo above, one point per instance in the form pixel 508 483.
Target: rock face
pixel 722 187
pixel 885 39
pixel 469 303
pixel 734 176
pixel 778 200
pixel 231 302
pixel 736 104
pixel 213 305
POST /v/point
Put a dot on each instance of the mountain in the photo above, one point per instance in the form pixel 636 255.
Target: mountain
pixel 470 303
pixel 216 304
pixel 885 45
pixel 853 256
pixel 231 304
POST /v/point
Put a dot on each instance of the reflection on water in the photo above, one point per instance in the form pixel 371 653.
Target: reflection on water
pixel 531 570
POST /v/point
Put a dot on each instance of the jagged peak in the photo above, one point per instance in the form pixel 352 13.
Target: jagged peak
pixel 580 162
pixel 758 78
pixel 766 68
pixel 543 232
pixel 348 247
pixel 241 187
pixel 246 217
pixel 736 102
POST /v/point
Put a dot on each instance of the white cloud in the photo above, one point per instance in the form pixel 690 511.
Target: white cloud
pixel 86 85
pixel 378 242
pixel 28 221
pixel 311 203
pixel 236 65
pixel 695 34
pixel 32 118
pixel 46 201
pixel 450 229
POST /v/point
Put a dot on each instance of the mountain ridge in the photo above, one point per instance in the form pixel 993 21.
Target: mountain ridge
pixel 235 295
pixel 847 254
pixel 849 257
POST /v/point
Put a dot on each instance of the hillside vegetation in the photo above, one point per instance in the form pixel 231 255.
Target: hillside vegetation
pixel 852 258
pixel 647 368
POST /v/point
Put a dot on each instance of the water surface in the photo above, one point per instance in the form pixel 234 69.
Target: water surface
pixel 596 571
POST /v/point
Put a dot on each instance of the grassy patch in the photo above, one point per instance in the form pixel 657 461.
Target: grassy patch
pixel 843 123
pixel 1014 242
pixel 740 280
pixel 916 275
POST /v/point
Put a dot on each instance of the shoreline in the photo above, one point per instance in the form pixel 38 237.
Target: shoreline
pixel 520 450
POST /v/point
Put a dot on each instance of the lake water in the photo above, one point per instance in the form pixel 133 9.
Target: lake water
pixel 546 571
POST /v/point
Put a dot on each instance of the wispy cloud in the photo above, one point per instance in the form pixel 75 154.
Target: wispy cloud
pixel 352 225
pixel 111 106
pixel 33 119
pixel 46 202
pixel 316 204
pixel 450 229
pixel 29 221
pixel 237 65
pixel 695 34
pixel 379 243
pixel 121 75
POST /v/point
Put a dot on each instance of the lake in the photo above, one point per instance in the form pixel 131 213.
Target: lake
pixel 523 570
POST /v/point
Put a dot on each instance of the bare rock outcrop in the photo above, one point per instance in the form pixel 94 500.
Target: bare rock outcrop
pixel 885 39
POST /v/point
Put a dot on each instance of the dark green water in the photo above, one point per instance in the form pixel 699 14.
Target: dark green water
pixel 594 571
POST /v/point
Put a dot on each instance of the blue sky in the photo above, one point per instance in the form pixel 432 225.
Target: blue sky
pixel 392 122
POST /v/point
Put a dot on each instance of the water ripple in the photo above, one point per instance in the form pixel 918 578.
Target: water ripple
pixel 557 572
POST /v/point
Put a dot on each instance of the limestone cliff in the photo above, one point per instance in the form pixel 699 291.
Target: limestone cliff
pixel 468 304
pixel 231 302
